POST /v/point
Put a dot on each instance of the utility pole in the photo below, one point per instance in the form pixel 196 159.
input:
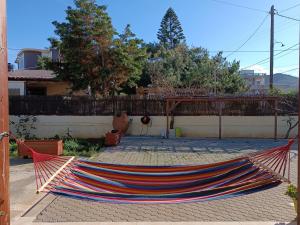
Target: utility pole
pixel 298 173
pixel 272 12
pixel 4 153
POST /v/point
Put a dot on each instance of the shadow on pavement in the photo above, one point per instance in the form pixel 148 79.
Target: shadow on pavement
pixel 19 161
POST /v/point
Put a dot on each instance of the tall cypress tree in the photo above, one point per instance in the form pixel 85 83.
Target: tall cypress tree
pixel 170 33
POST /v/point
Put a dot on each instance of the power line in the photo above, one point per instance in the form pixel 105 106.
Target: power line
pixel 287 17
pixel 279 57
pixel 251 36
pixel 290 70
pixel 294 6
pixel 240 6
pixel 250 51
pixel 267 59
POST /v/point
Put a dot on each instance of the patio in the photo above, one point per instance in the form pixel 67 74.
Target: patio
pixel 269 205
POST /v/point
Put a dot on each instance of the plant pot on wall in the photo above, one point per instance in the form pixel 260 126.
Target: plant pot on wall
pixel 121 122
pixel 51 147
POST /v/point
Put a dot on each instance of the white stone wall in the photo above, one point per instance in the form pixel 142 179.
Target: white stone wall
pixel 192 126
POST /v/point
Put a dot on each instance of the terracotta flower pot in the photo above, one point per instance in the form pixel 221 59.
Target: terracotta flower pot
pixel 51 147
pixel 121 122
pixel 112 138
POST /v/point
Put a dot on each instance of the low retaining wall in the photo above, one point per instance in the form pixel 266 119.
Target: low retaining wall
pixel 192 126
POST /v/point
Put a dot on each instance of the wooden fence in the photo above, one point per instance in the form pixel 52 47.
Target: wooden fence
pixel 154 106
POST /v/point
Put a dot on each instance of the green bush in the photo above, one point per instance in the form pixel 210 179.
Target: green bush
pixel 292 191
pixel 71 145
pixel 13 149
pixel 82 147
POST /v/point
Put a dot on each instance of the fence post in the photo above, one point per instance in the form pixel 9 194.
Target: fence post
pixel 167 112
pixel 275 118
pixel 220 119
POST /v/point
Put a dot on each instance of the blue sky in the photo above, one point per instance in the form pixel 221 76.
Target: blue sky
pixel 212 24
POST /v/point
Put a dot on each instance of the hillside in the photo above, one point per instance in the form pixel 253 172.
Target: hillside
pixel 284 82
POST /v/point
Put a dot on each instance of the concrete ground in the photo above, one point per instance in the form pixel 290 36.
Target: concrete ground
pixel 22 186
pixel 265 206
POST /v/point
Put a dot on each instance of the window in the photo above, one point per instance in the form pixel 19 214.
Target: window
pixel 14 91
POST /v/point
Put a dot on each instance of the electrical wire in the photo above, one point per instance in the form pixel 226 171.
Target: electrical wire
pixel 290 70
pixel 289 8
pixel 287 17
pixel 250 51
pixel 267 59
pixel 240 6
pixel 251 36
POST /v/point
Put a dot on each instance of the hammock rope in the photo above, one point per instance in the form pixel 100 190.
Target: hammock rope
pixel 114 183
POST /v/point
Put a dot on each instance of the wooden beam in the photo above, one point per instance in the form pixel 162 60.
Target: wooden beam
pixel 224 98
pixel 4 152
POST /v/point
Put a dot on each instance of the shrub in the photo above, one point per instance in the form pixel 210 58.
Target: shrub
pixel 292 191
pixel 82 147
pixel 13 149
pixel 71 145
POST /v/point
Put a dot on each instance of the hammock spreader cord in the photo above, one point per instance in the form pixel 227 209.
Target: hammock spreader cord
pixel 47 168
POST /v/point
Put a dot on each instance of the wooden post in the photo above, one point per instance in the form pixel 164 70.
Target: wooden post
pixel 272 12
pixel 298 172
pixel 275 118
pixel 4 153
pixel 220 120
pixel 167 112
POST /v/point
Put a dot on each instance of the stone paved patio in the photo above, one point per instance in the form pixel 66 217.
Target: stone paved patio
pixel 270 205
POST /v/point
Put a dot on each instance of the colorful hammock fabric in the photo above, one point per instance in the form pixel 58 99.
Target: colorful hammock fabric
pixel 116 183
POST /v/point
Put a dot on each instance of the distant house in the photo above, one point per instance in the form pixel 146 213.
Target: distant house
pixel 27 58
pixel 254 81
pixel 29 80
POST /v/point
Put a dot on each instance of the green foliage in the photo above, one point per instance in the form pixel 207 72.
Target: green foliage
pixel 13 149
pixel 170 33
pixel 93 55
pixel 82 147
pixel 24 126
pixel 276 92
pixel 292 192
pixel 193 68
pixel 131 57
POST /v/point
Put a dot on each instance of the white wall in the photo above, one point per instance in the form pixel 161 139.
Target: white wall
pixel 17 85
pixel 192 126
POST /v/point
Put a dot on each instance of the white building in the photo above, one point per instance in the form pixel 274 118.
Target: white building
pixel 254 81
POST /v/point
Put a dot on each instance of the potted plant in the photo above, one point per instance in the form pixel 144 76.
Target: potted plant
pixel 24 127
pixel 51 147
pixel 292 192
pixel 112 138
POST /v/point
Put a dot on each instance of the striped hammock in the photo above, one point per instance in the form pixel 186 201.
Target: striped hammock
pixel 116 183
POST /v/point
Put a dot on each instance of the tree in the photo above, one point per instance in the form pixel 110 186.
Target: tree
pixel 131 56
pixel 193 68
pixel 93 54
pixel 170 33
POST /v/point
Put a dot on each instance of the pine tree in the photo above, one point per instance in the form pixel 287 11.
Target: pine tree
pixel 170 33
